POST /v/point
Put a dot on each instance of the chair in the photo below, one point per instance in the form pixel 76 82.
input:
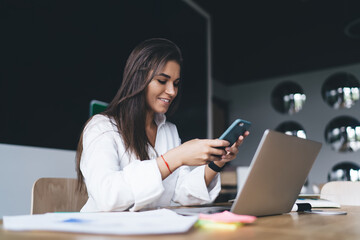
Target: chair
pixel 56 195
pixel 342 192
pixel 97 106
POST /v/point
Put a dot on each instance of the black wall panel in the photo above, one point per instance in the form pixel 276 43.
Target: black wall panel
pixel 56 56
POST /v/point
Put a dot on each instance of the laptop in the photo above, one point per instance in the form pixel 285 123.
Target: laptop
pixel 277 173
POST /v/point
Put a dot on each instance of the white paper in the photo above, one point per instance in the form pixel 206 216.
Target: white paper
pixel 316 203
pixel 161 221
pixel 319 203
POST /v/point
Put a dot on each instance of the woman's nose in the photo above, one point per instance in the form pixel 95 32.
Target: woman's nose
pixel 170 89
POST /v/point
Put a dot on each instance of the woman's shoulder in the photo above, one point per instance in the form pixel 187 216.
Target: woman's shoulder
pixel 99 128
pixel 100 123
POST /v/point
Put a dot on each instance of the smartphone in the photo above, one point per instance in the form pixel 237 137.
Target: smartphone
pixel 237 128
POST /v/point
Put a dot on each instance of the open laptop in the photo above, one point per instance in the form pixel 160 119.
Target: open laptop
pixel 277 173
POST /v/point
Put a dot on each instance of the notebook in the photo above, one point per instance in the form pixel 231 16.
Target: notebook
pixel 277 173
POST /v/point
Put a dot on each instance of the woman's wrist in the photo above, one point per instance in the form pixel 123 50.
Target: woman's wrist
pixel 219 163
pixel 172 159
pixel 216 166
pixel 166 165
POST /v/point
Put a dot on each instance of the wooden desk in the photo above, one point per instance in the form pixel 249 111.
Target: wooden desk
pixel 286 226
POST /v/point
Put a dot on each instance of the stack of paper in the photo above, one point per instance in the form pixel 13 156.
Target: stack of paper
pixel 161 221
pixel 318 203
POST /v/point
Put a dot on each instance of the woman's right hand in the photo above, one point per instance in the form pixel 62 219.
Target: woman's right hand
pixel 197 152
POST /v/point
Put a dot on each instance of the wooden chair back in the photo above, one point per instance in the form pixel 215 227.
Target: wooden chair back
pixel 56 195
pixel 342 192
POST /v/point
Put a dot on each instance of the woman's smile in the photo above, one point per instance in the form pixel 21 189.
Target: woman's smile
pixel 165 100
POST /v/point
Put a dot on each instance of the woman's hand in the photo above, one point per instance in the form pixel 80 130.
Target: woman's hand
pixel 197 152
pixel 232 151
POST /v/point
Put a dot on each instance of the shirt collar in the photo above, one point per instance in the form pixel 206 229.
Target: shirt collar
pixel 160 119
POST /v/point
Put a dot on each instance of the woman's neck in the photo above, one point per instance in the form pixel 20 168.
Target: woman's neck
pixel 150 120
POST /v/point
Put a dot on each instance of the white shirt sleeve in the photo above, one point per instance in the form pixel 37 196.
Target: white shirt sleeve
pixel 191 187
pixel 110 186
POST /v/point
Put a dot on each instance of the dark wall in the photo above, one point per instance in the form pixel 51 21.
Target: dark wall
pixel 56 56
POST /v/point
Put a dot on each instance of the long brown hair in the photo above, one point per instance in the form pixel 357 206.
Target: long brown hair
pixel 128 107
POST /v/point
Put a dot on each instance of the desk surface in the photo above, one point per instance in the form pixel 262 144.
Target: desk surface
pixel 286 226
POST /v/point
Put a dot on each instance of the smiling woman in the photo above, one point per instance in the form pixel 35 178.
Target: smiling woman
pixel 130 157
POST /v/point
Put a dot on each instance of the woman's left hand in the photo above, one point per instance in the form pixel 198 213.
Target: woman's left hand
pixel 232 151
pixel 230 155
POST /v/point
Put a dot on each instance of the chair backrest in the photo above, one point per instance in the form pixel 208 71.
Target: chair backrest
pixel 342 192
pixel 56 195
pixel 97 106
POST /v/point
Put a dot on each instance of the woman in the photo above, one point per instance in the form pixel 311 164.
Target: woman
pixel 131 158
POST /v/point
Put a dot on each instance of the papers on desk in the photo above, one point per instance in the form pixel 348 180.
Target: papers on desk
pixel 314 203
pixel 318 203
pixel 161 221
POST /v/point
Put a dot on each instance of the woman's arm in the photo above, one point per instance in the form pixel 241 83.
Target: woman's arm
pixel 195 152
pixel 199 152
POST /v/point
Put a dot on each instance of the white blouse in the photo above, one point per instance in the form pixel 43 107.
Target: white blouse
pixel 117 181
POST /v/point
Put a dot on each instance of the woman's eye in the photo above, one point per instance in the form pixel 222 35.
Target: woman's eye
pixel 161 81
pixel 176 84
